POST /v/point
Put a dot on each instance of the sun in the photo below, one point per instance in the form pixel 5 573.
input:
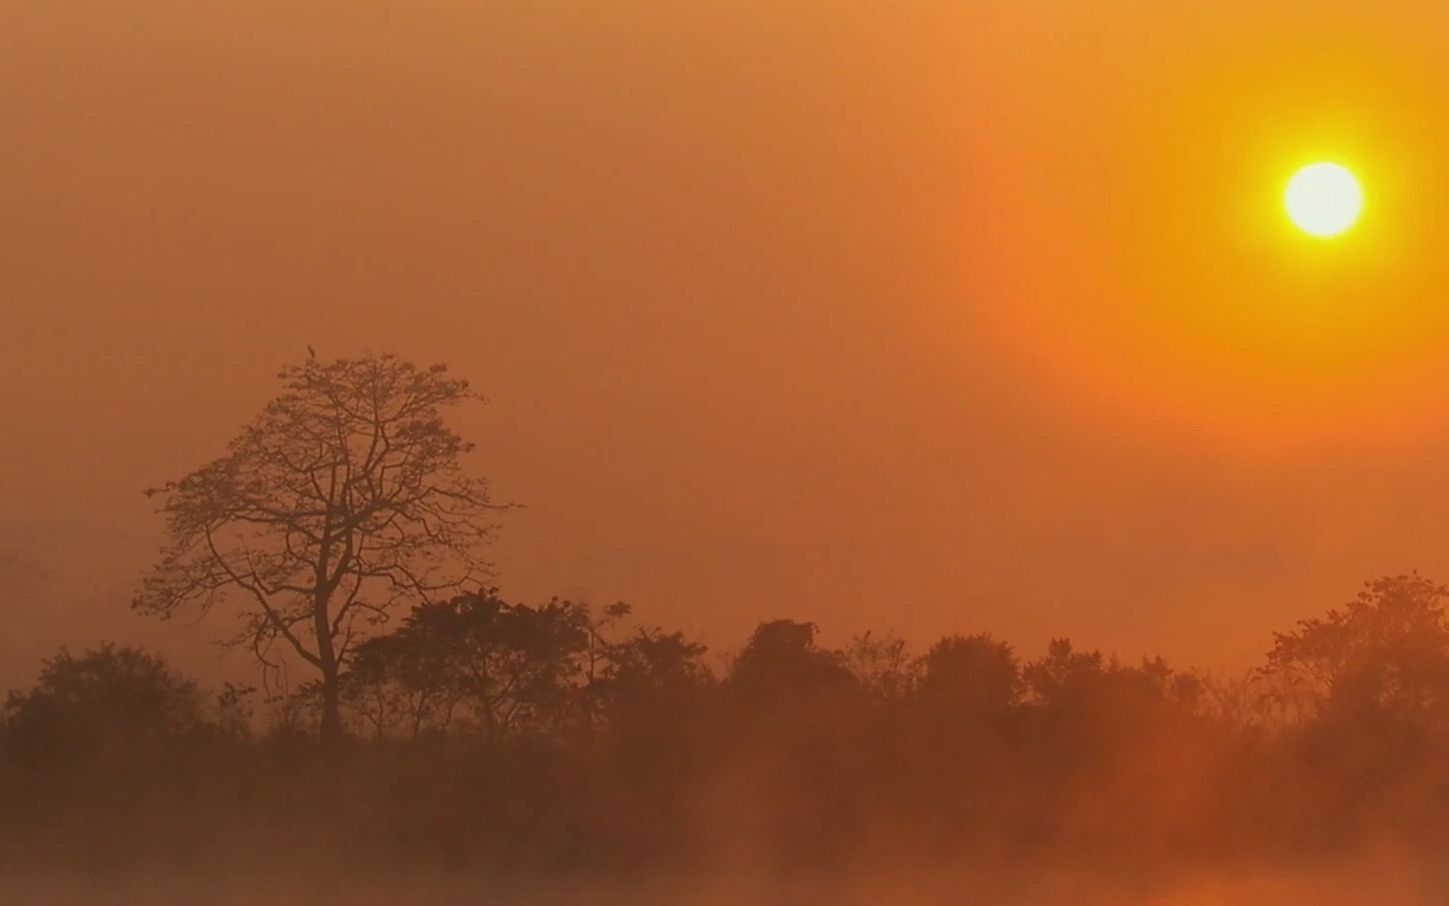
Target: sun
pixel 1323 199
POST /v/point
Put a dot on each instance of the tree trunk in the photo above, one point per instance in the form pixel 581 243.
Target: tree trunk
pixel 331 729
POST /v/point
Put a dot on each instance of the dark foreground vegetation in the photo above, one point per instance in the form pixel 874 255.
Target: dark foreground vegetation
pixel 480 734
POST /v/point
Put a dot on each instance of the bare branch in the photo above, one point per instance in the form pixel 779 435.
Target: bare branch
pixel 345 495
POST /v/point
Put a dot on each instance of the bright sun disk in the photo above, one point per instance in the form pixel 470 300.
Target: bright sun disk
pixel 1323 199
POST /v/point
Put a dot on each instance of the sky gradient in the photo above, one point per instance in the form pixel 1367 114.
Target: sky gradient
pixel 926 316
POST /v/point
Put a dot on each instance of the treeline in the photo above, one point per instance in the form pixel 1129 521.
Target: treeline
pixel 483 732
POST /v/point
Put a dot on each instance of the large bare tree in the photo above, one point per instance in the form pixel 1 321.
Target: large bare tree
pixel 343 497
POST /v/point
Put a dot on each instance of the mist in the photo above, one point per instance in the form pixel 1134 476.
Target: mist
pixel 721 452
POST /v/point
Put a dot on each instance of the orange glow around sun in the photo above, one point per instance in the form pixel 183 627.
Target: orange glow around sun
pixel 1167 285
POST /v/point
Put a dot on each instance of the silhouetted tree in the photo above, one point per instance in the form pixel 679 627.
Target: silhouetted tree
pixel 1064 675
pixel 596 657
pixel 975 673
pixel 884 667
pixel 652 676
pixel 555 736
pixel 782 655
pixel 511 665
pixel 343 497
pixel 1386 651
pixel 401 678
pixel 108 702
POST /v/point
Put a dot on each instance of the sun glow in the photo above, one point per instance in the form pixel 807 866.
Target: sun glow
pixel 1323 199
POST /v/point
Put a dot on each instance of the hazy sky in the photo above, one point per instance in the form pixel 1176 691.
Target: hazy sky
pixel 917 315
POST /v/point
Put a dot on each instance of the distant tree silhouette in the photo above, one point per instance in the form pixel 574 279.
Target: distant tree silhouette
pixel 401 679
pixel 652 678
pixel 110 702
pixel 512 666
pixel 1385 652
pixel 975 673
pixel 782 659
pixel 785 693
pixel 343 497
pixel 1064 675
pixel 884 667
pixel 554 736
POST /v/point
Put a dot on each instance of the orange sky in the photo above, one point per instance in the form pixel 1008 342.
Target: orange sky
pixel 925 315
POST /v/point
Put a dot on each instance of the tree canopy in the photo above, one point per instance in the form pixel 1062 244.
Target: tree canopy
pixel 346 495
